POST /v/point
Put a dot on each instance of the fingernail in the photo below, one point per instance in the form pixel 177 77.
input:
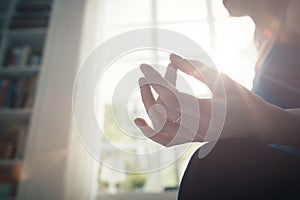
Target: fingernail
pixel 140 123
pixel 142 81
pixel 171 66
pixel 144 67
pixel 174 56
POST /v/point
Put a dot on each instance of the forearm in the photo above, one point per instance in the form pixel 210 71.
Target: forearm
pixel 282 126
pixel 295 112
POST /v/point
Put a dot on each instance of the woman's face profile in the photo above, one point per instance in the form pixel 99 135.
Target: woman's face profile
pixel 239 8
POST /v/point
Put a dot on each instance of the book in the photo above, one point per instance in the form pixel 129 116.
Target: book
pixel 31 89
pixel 9 141
pixel 6 150
pixel 12 143
pixel 28 22
pixel 18 56
pixel 35 59
pixel 3 91
pixel 17 93
pixel 21 142
pixel 10 57
pixel 9 95
pixel 34 7
pixel 24 56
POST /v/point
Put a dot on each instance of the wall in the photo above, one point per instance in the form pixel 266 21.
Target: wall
pixel 48 150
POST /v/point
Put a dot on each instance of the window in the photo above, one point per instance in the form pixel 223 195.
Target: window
pixel 227 40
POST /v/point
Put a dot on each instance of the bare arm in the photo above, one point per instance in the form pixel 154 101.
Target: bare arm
pixel 293 16
pixel 282 126
pixel 247 115
pixel 295 112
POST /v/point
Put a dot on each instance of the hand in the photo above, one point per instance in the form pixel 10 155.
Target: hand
pixel 246 113
pixel 172 124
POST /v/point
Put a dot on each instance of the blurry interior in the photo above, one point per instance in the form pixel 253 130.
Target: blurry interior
pixel 43 43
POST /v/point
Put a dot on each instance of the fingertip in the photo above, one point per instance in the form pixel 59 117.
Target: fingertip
pixel 140 122
pixel 172 66
pixel 177 62
pixel 174 56
pixel 144 127
pixel 142 81
pixel 144 67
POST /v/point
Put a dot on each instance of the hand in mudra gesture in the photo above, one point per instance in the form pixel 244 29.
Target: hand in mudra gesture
pixel 181 118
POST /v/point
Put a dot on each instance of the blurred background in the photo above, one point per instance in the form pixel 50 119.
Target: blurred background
pixel 43 43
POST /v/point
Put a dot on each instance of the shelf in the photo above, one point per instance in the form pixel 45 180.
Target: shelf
pixel 8 162
pixel 33 37
pixel 8 198
pixel 28 31
pixel 19 72
pixel 15 114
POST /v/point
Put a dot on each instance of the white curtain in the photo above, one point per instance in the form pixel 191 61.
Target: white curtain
pixel 83 169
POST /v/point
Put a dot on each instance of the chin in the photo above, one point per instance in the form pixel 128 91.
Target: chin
pixel 236 8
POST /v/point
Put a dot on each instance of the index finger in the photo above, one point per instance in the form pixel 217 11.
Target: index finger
pixel 171 74
pixel 164 88
pixel 203 73
pixel 146 94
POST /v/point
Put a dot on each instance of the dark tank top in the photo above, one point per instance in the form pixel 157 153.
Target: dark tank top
pixel 278 80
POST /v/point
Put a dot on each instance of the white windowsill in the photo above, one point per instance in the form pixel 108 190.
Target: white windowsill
pixel 138 196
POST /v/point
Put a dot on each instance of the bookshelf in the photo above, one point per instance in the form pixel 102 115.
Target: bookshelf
pixel 10 162
pixel 23 32
pixel 29 70
pixel 18 116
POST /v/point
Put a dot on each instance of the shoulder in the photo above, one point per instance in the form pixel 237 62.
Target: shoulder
pixel 293 16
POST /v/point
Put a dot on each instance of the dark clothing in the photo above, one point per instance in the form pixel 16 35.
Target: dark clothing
pixel 242 170
pixel 278 80
pixel 246 169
